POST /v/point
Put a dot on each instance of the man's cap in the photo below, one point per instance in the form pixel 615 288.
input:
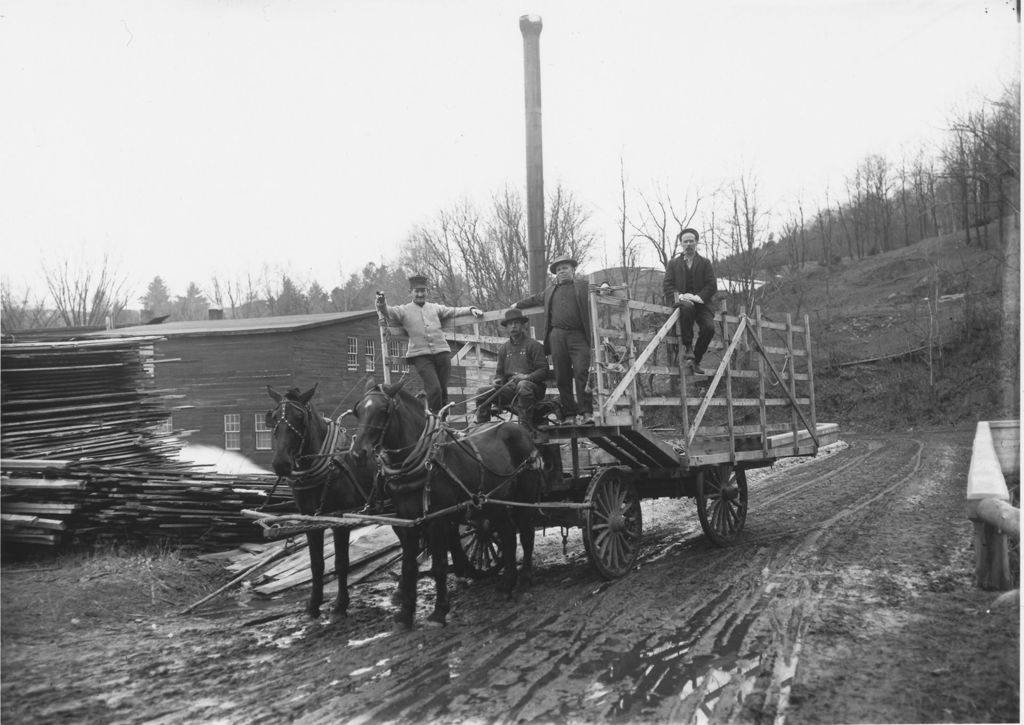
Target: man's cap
pixel 563 260
pixel 513 316
pixel 418 280
pixel 688 231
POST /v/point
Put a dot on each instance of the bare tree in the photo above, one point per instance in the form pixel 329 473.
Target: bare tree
pixel 21 311
pixel 430 250
pixel 482 260
pixel 658 221
pixel 508 249
pixel 748 234
pixel 567 233
pixel 238 298
pixel 90 294
pixel 982 162
pixel 877 211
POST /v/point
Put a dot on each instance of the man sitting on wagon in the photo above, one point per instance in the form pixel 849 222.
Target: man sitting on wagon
pixel 522 370
pixel 690 285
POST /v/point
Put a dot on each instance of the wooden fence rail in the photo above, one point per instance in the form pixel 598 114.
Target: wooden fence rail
pixel 994 456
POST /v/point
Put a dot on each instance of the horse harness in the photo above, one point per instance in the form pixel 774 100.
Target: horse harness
pixel 331 453
pixel 413 472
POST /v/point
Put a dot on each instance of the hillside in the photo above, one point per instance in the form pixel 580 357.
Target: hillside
pixel 913 337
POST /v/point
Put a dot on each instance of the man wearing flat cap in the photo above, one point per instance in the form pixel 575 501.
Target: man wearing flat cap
pixel 428 351
pixel 522 370
pixel 567 337
pixel 690 285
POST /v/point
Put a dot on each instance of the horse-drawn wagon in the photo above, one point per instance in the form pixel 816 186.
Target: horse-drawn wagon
pixel 658 431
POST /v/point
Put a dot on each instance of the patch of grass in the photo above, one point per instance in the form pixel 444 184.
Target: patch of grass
pixel 110 582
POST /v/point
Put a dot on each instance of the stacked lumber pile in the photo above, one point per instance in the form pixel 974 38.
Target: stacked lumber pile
pixel 85 454
pixel 84 399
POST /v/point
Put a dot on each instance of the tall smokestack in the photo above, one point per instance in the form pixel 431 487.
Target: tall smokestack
pixel 530 25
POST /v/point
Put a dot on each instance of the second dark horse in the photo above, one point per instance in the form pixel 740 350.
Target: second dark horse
pixel 434 475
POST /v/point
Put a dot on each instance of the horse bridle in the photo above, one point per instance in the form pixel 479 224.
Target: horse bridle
pixel 379 430
pixel 282 408
pixel 419 451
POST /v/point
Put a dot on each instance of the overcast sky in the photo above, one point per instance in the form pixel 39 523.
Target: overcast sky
pixel 199 139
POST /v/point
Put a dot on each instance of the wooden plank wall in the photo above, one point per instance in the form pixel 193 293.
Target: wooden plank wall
pixel 220 374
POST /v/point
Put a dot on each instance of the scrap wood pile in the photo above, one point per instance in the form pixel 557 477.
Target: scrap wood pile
pixel 84 452
pixel 270 568
pixel 52 502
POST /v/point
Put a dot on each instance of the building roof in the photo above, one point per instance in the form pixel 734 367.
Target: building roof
pixel 246 326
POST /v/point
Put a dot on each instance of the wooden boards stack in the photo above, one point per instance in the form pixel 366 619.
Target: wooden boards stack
pixel 85 452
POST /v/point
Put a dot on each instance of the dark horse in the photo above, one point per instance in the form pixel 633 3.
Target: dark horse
pixel 433 474
pixel 312 453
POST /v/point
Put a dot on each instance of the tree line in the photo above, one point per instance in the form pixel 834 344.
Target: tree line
pixel 478 255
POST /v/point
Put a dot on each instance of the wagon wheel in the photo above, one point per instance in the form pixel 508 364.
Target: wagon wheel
pixel 482 545
pixel 722 502
pixel 612 524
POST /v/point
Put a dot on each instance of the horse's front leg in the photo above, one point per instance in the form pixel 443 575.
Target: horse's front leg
pixel 409 537
pixel 524 523
pixel 396 595
pixel 438 540
pixel 340 609
pixel 315 544
pixel 507 534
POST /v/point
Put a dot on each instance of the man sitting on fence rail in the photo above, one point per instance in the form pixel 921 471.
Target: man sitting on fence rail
pixel 522 370
pixel 690 285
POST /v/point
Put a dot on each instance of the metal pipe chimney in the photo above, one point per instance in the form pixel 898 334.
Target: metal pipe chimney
pixel 530 25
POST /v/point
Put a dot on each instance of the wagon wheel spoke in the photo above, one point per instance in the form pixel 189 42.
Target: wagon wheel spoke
pixel 721 502
pixel 613 523
pixel 482 547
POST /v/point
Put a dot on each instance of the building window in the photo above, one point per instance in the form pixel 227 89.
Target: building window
pixel 396 351
pixel 262 432
pixel 353 353
pixel 368 352
pixel 232 432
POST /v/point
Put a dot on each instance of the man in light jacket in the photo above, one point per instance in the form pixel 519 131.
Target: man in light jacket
pixel 428 351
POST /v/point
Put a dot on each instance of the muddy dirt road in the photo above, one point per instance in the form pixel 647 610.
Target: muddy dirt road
pixel 848 599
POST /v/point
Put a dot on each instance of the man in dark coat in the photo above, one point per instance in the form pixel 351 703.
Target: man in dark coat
pixel 567 337
pixel 522 371
pixel 690 285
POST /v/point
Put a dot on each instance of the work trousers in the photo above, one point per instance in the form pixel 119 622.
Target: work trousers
pixel 434 371
pixel 689 313
pixel 570 357
pixel 521 397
